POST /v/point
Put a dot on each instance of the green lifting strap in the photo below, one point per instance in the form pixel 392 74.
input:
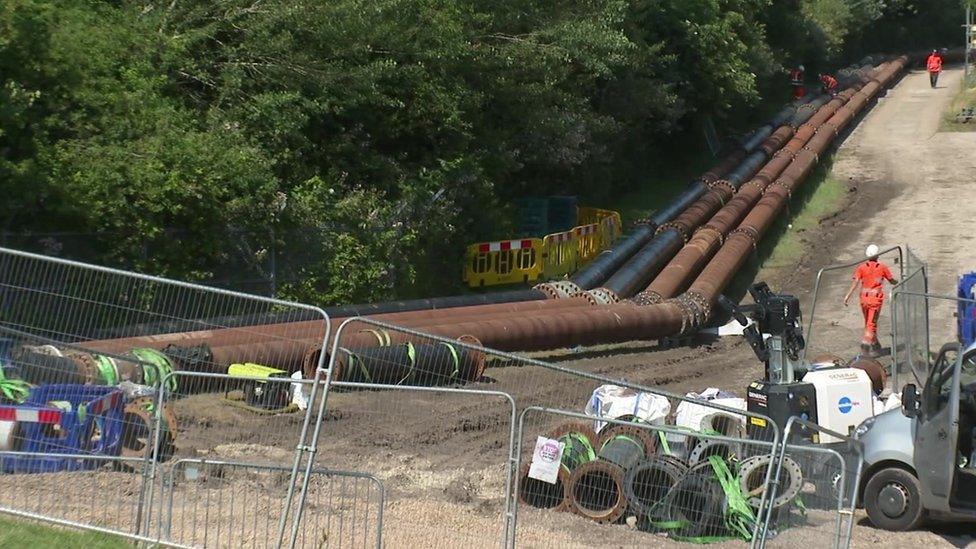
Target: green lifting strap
pixel 14 390
pixel 576 452
pixel 412 355
pixel 354 361
pixel 630 439
pixel 160 367
pixel 107 369
pixel 457 359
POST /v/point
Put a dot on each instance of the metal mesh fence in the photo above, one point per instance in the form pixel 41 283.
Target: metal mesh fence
pixel 207 503
pixel 432 418
pixel 910 325
pixel 128 368
pixel 628 484
pixel 840 335
pixel 814 489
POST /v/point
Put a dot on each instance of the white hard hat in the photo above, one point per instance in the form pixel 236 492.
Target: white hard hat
pixel 801 67
pixel 871 251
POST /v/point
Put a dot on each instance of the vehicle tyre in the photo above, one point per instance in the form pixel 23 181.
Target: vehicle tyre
pixel 892 500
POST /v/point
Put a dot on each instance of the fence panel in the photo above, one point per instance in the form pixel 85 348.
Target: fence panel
pixel 110 354
pixel 208 503
pixel 910 329
pixel 381 411
pixel 632 483
pixel 814 489
pixel 831 283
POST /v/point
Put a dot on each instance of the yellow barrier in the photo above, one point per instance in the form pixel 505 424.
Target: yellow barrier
pixel 560 254
pixel 504 262
pixel 587 241
pixel 555 255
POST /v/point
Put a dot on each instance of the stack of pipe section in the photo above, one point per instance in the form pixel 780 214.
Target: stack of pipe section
pixel 687 312
pixel 702 246
pixel 669 237
pixel 735 225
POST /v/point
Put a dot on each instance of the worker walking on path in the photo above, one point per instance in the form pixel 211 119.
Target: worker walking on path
pixel 796 82
pixel 934 65
pixel 871 275
pixel 828 84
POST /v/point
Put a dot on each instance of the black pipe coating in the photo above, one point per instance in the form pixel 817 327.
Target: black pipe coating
pixel 645 264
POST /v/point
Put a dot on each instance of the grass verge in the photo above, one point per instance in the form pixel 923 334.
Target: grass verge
pixel 965 97
pixel 783 246
pixel 22 533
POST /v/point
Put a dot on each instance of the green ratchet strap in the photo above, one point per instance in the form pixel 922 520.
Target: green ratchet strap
pixel 382 336
pixel 664 443
pixel 457 359
pixel 107 369
pixel 354 361
pixel 576 452
pixel 14 390
pixel 739 517
pixel 412 355
pixel 159 367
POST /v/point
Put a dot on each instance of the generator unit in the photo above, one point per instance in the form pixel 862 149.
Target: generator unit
pixel 836 398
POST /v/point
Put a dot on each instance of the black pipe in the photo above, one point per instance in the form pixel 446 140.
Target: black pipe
pixel 409 364
pixel 745 170
pixel 449 302
pixel 609 261
pixel 645 264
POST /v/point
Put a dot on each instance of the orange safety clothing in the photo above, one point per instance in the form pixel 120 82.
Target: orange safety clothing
pixel 829 82
pixel 871 274
pixel 934 63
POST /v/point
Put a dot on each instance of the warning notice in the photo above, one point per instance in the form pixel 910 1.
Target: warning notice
pixel 546 459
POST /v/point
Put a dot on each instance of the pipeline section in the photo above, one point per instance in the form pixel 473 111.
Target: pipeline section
pixel 689 311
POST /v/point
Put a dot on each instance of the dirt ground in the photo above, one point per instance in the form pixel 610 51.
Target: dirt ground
pixel 441 456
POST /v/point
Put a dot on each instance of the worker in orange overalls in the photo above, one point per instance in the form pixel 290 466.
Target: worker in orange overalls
pixel 828 84
pixel 796 82
pixel 871 275
pixel 934 65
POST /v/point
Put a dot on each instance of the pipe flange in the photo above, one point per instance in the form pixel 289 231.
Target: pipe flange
pixel 643 436
pixel 647 298
pixel 642 221
pixel 597 492
pixel 649 482
pixel 752 481
pixel 477 359
pixel 753 183
pixel 749 233
pixel 672 225
pixel 559 289
pixel 694 309
pixel 715 232
pixel 722 183
pixel 728 451
pixel 575 427
pixel 139 424
pixel 602 296
pixel 541 494
pixel 779 183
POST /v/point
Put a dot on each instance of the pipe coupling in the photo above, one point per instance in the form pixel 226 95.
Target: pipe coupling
pixel 559 289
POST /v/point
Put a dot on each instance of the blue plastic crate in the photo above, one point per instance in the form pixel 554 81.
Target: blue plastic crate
pixel 45 428
pixel 966 313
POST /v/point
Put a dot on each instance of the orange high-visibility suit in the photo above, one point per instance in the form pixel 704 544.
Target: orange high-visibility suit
pixel 871 274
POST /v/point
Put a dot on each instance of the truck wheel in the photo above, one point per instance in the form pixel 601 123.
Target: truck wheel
pixel 892 500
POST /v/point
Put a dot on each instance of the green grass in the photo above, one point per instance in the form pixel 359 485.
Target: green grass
pixel 966 97
pixel 23 533
pixel 824 196
pixel 782 247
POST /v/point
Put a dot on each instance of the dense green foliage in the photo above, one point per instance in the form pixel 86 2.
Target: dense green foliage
pixel 362 143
